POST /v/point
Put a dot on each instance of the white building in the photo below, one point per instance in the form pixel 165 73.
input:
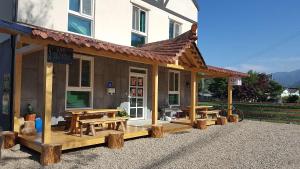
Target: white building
pixel 290 92
pixel 123 22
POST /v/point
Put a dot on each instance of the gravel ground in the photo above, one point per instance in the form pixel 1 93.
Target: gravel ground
pixel 248 144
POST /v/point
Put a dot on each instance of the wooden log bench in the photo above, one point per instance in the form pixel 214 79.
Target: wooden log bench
pixel 90 124
pixel 213 113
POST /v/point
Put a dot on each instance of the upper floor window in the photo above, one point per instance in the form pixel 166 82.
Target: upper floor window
pixel 174 29
pixel 139 26
pixel 81 18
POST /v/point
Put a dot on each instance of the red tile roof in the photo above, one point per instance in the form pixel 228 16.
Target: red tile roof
pixel 226 71
pixel 166 51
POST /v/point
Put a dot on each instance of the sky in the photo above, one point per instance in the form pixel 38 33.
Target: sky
pixel 260 35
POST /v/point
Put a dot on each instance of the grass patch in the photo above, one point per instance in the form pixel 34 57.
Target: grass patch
pixel 281 113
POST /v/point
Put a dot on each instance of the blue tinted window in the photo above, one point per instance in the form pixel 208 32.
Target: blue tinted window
pixel 143 21
pixel 79 25
pixel 137 39
pixel 74 5
pixel 171 30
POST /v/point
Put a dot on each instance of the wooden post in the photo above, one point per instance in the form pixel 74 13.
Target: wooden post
pixel 9 139
pixel 229 99
pixel 154 94
pixel 115 140
pixel 50 154
pixel 48 78
pixel 17 91
pixel 193 97
pixel 221 120
pixel 157 131
pixel 201 124
pixel 234 118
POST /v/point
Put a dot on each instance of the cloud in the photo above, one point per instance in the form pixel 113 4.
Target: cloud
pixel 247 67
pixel 269 65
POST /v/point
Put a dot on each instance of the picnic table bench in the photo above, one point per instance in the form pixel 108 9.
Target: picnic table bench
pixel 91 123
pixel 213 113
pixel 86 114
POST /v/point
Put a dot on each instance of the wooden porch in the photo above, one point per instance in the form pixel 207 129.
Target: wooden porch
pixel 61 137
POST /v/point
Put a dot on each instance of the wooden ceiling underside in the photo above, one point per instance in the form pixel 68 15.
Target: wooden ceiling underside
pixel 190 58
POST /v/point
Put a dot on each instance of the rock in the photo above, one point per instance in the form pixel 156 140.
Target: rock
pixel 29 124
pixel 17 147
pixel 28 131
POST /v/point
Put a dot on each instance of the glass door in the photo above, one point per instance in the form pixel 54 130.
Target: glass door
pixel 137 95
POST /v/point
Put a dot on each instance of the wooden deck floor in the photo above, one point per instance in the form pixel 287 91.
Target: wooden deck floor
pixel 75 141
pixel 188 122
pixel 173 127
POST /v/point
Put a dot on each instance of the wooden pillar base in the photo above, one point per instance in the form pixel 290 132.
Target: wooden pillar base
pixel 221 120
pixel 50 154
pixel 234 118
pixel 9 139
pixel 157 131
pixel 115 140
pixel 201 124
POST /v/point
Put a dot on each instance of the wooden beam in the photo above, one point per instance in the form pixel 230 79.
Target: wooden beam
pixel 229 99
pixel 193 97
pixel 154 94
pixel 17 91
pixel 29 49
pixel 89 50
pixel 48 81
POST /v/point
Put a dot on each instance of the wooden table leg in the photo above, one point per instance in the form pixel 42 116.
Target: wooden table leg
pixel 93 129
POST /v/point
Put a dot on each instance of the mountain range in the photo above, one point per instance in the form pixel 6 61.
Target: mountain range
pixel 287 79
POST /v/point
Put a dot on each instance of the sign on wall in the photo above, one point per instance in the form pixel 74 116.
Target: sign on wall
pixel 235 81
pixel 5 97
pixel 60 55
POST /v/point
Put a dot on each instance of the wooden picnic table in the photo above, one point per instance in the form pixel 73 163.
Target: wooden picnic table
pixel 202 110
pixel 76 114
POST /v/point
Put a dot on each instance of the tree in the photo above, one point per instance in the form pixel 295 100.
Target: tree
pixel 258 87
pixel 218 88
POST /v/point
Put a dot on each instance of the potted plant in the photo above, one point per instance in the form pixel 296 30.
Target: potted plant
pixel 122 114
pixel 30 115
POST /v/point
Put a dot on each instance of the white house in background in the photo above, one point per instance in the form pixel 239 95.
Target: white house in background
pixel 123 22
pixel 290 92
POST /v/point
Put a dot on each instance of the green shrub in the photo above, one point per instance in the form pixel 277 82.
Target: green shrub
pixel 293 99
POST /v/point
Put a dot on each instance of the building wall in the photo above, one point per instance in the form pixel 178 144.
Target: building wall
pixel 7 10
pixel 105 70
pixel 5 70
pixel 50 14
pixel 112 20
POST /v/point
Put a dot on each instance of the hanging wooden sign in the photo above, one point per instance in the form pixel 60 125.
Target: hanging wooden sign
pixel 60 55
pixel 235 81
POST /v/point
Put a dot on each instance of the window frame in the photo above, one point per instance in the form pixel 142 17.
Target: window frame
pixel 138 32
pixel 80 88
pixel 174 92
pixel 174 28
pixel 83 16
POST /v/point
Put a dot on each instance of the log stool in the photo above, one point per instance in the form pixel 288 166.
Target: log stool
pixel 221 120
pixel 50 154
pixel 157 131
pixel 234 118
pixel 201 124
pixel 9 139
pixel 115 140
